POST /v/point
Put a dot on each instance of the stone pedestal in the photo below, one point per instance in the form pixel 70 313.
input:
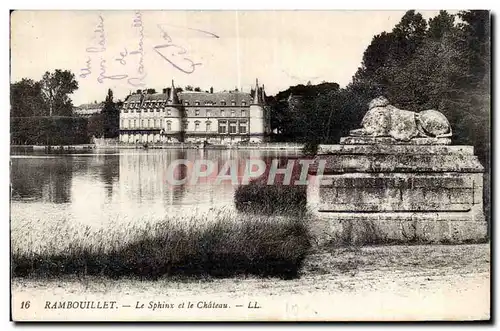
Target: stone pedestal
pixel 379 190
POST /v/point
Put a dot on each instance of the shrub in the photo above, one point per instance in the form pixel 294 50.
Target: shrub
pixel 310 148
pixel 230 245
pixel 48 130
pixel 258 197
pixel 278 198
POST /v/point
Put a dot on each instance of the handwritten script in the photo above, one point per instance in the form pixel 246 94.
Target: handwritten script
pixel 172 52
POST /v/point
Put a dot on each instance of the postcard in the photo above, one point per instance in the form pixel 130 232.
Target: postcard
pixel 247 166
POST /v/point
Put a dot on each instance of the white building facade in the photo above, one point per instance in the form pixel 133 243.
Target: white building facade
pixel 217 118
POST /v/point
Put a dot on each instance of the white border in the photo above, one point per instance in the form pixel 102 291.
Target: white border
pixel 194 4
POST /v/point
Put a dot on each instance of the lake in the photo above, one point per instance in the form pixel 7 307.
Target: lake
pixel 100 187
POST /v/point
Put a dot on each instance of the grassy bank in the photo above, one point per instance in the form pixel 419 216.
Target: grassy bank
pixel 280 198
pixel 231 244
pixel 271 199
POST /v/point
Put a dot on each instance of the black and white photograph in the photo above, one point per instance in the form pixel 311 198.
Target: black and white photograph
pixel 250 165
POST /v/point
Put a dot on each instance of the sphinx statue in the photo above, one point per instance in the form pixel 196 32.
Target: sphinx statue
pixel 385 120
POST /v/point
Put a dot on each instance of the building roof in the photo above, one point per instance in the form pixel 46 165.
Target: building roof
pixel 88 108
pixel 192 97
pixel 216 97
pixel 92 105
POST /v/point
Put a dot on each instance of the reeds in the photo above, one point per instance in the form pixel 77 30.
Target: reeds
pixel 227 245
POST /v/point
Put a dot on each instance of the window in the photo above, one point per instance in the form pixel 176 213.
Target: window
pixel 185 125
pixel 243 127
pixel 186 103
pixel 209 126
pixel 222 112
pixel 209 103
pixel 157 123
pixel 169 126
pixel 128 126
pixel 243 103
pixel 122 123
pixel 232 113
pixel 197 103
pixel 135 123
pixel 196 125
pixel 223 103
pixel 197 112
pixel 142 123
pixel 243 113
pixel 169 112
pixel 232 127
pixel 222 127
pixel 208 112
pixel 149 123
pixel 233 103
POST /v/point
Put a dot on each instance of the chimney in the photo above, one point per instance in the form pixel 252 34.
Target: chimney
pixel 211 90
pixel 165 90
pixel 138 91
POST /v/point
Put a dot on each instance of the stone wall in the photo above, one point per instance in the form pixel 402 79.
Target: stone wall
pixel 414 192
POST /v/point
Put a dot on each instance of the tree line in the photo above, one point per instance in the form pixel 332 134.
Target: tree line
pixel 442 64
pixel 42 113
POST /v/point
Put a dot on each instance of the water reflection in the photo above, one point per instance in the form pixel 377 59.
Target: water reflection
pixel 42 179
pixel 111 186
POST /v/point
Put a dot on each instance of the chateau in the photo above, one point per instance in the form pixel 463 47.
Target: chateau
pixel 217 118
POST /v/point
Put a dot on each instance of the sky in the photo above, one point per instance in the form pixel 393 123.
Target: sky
pixel 129 50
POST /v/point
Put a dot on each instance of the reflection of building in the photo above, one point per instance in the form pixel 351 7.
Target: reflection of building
pixel 221 117
pixel 88 109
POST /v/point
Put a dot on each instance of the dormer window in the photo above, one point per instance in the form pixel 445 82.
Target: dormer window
pixel 233 103
pixel 186 103
pixel 223 103
pixel 243 103
pixel 197 103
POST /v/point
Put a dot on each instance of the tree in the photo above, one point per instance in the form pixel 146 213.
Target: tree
pixel 110 117
pixel 26 99
pixel 95 126
pixel 55 88
pixel 440 25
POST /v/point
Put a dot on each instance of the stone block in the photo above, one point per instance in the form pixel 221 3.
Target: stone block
pixel 424 192
pixel 392 141
pixel 396 149
pixel 372 230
